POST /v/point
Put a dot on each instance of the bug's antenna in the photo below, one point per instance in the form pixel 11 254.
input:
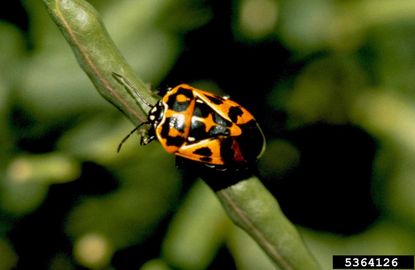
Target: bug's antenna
pixel 134 93
pixel 128 136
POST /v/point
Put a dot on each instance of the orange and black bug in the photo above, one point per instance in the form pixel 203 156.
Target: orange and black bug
pixel 203 127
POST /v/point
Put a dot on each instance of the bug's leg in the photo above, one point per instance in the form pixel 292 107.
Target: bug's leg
pixel 147 136
pixel 128 136
pixel 147 140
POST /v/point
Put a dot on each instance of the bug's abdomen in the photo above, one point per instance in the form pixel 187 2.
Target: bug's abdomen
pixel 251 141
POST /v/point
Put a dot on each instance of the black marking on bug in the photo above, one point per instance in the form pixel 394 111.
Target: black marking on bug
pixel 177 106
pixel 170 140
pixel 165 129
pixel 226 151
pixel 220 120
pixel 251 141
pixel 198 130
pixel 218 130
pixel 202 110
pixel 203 151
pixel 156 113
pixel 234 112
pixel 174 141
pixel 215 99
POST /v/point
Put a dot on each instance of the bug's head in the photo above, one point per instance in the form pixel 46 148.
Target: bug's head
pixel 156 114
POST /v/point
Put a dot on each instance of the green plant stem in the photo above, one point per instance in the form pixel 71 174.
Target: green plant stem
pixel 98 56
pixel 248 203
pixel 254 209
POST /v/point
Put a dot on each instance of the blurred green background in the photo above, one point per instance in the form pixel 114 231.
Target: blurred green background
pixel 332 84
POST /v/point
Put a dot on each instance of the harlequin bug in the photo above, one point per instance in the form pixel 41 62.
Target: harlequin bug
pixel 203 127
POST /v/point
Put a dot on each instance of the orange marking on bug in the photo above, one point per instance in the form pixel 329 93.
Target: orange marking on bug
pixel 181 98
pixel 235 130
pixel 174 133
pixel 209 123
pixel 169 113
pixel 215 148
pixel 224 107
pixel 187 150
